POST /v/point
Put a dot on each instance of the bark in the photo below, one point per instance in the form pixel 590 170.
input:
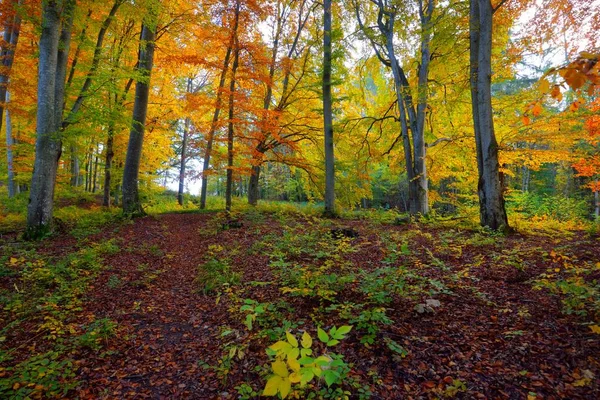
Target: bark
pixel 230 130
pixel 50 96
pixel 108 164
pixel 596 200
pixel 95 177
pixel 131 199
pixel 13 188
pixel 182 165
pixel 218 106
pixel 490 185
pixel 328 113
pixel 7 55
pixel 254 185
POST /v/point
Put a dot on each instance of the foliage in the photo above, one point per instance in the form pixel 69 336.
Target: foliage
pixel 297 357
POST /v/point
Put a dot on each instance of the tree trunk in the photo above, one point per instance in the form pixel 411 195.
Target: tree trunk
pixel 50 92
pixel 254 186
pixel 96 158
pixel 230 130
pixel 596 200
pixel 13 188
pixel 328 113
pixel 108 165
pixel 218 106
pixel 490 185
pixel 131 199
pixel 186 129
pixel 7 55
pixel 75 167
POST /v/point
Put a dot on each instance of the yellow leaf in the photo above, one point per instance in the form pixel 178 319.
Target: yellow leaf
pixel 589 56
pixel 13 261
pixel 307 340
pixel 294 364
pixel 272 386
pixel 556 269
pixel 544 86
pixel 574 107
pixel 280 368
pixel 295 377
pixel 285 387
pixel 16 386
pixel 595 329
pixel 292 339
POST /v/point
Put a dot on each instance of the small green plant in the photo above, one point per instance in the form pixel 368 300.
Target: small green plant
pixel 253 310
pixel 114 282
pixel 295 363
pixel 370 321
pixel 214 274
pixel 96 333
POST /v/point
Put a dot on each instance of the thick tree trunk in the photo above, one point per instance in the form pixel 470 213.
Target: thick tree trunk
pixel 218 106
pixel 328 113
pixel 230 130
pixel 490 185
pixel 254 186
pixel 50 98
pixel 186 130
pixel 131 199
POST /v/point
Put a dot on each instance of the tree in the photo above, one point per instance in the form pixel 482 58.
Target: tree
pixel 12 27
pixel 490 186
pixel 412 119
pixel 131 198
pixel 218 104
pixel 328 113
pixel 57 20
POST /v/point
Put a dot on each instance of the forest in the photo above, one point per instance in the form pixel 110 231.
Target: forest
pixel 360 199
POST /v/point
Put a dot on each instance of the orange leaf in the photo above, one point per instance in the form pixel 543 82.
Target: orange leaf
pixel 526 120
pixel 537 109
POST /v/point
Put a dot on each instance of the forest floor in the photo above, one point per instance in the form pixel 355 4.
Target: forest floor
pixel 175 306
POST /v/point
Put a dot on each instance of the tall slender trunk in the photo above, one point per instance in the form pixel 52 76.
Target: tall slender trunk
pixel 75 167
pixel 10 142
pixel 596 199
pixel 51 73
pixel 95 177
pixel 131 198
pixel 108 164
pixel 328 113
pixel 218 106
pixel 490 185
pixel 230 130
pixel 10 38
pixel 186 130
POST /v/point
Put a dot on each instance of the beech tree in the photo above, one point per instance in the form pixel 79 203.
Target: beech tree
pixel 328 113
pixel 12 26
pixel 131 198
pixel 490 187
pixel 411 115
pixel 57 21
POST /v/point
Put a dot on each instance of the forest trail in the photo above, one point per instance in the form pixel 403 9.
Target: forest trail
pixel 451 313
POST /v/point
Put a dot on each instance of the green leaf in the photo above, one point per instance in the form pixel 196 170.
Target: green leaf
pixel 307 375
pixel 323 336
pixel 330 377
pixel 343 330
pixel 272 386
pixel 292 339
pixel 248 322
pixel 306 360
pixel 332 342
pixel 306 352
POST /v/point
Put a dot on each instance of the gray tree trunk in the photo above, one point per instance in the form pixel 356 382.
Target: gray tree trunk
pixel 186 130
pixel 254 186
pixel 328 113
pixel 131 198
pixel 230 130
pixel 218 106
pixel 7 55
pixel 110 153
pixel 490 185
pixel 50 98
pixel 10 142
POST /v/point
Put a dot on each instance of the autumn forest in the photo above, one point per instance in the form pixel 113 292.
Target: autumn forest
pixel 356 199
